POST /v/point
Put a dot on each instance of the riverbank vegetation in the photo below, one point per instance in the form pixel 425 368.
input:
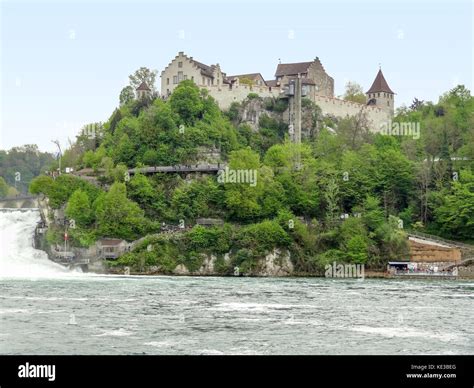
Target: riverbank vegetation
pixel 344 194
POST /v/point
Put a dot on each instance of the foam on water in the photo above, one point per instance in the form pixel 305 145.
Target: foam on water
pixel 407 332
pixel 114 333
pixel 18 257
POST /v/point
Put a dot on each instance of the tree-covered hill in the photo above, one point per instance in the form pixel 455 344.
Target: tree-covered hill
pixel 19 165
pixel 344 194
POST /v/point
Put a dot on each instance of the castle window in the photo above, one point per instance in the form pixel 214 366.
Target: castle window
pixel 167 81
pixel 175 79
pixel 185 77
pixel 192 78
pixel 180 64
pixel 180 76
pixel 379 95
pixel 388 103
pixel 208 82
pixel 203 81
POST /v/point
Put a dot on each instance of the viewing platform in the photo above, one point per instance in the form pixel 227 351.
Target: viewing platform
pixel 180 168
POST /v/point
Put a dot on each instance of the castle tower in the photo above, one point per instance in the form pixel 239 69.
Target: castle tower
pixel 380 94
pixel 143 91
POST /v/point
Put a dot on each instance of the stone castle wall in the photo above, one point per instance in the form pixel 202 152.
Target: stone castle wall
pixel 342 108
pixel 329 106
pixel 226 96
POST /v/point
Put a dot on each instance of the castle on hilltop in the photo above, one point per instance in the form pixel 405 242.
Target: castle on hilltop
pixel 316 84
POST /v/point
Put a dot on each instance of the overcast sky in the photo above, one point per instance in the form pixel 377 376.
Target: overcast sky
pixel 63 64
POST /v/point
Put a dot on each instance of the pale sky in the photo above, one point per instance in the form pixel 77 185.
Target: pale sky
pixel 63 64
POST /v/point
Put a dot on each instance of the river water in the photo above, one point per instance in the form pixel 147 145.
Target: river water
pixel 47 310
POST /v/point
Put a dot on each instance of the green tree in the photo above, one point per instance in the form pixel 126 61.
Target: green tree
pixel 455 216
pixel 242 199
pixel 79 208
pixel 150 198
pixel 125 151
pixel 3 188
pixel 331 198
pixel 186 101
pixel 357 249
pixel 26 160
pixel 143 74
pixel 117 216
pixel 354 92
pixel 127 95
pixel 200 198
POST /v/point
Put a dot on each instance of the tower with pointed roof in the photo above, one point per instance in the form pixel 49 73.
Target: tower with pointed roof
pixel 380 94
pixel 143 91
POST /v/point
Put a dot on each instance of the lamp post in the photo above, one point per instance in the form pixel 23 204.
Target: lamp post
pixel 60 153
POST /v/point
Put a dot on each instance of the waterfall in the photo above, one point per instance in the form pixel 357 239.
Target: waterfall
pixel 18 257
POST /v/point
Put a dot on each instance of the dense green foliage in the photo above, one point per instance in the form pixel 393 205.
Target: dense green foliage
pixel 3 188
pixel 20 165
pixel 343 195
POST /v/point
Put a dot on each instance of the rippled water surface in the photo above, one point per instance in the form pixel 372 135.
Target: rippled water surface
pixel 46 310
pixel 186 315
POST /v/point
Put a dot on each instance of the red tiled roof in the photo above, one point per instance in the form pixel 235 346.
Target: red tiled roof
pixel 380 84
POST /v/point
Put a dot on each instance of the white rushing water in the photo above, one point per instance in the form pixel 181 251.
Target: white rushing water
pixel 18 257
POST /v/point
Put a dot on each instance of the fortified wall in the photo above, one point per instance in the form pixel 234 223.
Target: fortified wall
pixel 225 95
pixel 376 116
pixel 342 108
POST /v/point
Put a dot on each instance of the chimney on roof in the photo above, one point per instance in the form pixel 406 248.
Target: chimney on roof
pixel 181 53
